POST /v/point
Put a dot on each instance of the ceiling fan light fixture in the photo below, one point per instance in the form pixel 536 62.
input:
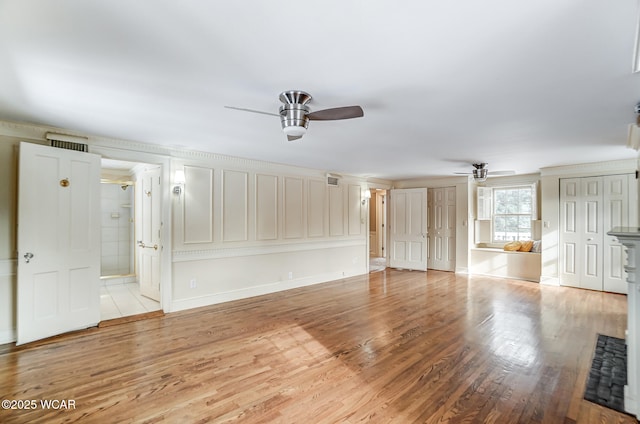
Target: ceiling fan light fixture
pixel 480 175
pixel 294 131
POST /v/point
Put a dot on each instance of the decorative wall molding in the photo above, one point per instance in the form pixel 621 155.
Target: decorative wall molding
pixel 230 252
pixel 8 267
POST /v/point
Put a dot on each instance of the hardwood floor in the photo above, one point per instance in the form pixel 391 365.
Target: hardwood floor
pixel 392 346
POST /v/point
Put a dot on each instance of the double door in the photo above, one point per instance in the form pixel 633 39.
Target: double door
pixel 589 207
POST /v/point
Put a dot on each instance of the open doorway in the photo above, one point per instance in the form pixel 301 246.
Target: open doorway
pixel 126 212
pixel 377 230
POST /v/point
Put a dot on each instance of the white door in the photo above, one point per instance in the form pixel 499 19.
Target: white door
pixel 620 193
pixel 442 229
pixel 408 232
pixel 582 227
pixel 149 224
pixel 58 242
pixel 570 233
pixel 593 228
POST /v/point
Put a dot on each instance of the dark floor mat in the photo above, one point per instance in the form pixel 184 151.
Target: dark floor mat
pixel 608 373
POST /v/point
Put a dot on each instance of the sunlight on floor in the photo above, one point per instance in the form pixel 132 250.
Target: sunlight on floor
pixel 121 300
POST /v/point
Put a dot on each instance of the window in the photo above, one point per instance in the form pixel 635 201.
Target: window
pixel 512 212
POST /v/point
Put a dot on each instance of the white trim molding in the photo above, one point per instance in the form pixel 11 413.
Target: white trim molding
pixel 8 267
pixel 212 299
pixel 231 252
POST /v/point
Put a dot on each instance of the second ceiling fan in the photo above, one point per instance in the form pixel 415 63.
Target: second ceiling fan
pixel 480 172
pixel 295 113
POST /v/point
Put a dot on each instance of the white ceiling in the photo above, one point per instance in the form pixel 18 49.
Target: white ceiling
pixel 520 85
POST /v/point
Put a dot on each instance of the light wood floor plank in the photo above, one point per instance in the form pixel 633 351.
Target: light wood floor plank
pixel 393 346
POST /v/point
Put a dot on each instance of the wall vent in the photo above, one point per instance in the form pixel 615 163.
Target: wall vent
pixel 68 142
pixel 70 145
pixel 332 181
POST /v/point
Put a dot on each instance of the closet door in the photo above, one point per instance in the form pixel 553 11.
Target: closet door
pixel 442 231
pixel 570 232
pixel 617 192
pixel 581 232
pixel 590 207
pixel 593 233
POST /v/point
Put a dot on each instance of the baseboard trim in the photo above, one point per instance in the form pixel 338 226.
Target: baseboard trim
pixel 550 281
pixel 8 336
pixel 212 299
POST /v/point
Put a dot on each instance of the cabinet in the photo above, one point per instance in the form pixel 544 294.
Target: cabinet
pixel 590 206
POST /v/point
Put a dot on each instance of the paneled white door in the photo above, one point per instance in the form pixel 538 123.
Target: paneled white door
pixel 581 232
pixel 408 231
pixel 149 224
pixel 620 197
pixel 441 238
pixel 570 231
pixel 593 233
pixel 58 242
pixel 591 206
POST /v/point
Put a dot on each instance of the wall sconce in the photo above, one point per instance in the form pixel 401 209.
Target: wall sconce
pixel 179 180
pixel 633 137
pixel 366 195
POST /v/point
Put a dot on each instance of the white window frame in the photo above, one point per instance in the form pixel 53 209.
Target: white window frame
pixel 530 215
pixel 485 196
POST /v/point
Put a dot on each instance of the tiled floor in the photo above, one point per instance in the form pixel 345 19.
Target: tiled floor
pixel 121 300
pixel 377 264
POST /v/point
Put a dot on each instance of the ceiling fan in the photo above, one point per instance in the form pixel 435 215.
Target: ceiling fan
pixel 295 114
pixel 480 172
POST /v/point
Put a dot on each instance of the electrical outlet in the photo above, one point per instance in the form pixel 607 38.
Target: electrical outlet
pixel 193 284
pixel 290 275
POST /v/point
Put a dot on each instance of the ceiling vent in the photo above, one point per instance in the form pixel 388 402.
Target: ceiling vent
pixel 68 142
pixel 332 181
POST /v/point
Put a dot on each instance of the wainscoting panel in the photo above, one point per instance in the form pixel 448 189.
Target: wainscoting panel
pixel 355 210
pixel 266 207
pixel 198 205
pixel 315 208
pixel 293 208
pixel 235 209
pixel 336 211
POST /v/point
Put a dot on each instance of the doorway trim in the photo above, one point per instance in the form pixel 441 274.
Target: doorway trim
pixel 164 162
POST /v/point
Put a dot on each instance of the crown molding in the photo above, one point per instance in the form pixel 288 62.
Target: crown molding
pixel 623 166
pixel 38 132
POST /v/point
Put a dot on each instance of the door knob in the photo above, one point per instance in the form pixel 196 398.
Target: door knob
pixel 28 256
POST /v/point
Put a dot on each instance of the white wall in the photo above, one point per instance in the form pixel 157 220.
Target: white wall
pixel 117 229
pixel 241 227
pixel 257 228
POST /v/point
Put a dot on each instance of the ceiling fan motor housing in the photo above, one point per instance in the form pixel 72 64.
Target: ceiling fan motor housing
pixel 293 112
pixel 294 116
pixel 480 174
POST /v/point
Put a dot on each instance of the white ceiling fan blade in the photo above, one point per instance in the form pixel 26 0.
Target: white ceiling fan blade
pixel 502 172
pixel 251 110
